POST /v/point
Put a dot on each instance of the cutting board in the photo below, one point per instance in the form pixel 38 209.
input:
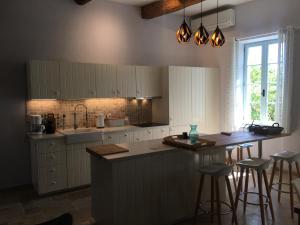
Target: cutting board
pixel 102 150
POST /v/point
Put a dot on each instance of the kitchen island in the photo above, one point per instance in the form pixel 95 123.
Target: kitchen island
pixel 153 183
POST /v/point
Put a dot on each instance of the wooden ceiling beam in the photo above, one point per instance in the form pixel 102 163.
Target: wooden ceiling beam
pixel 82 2
pixel 163 7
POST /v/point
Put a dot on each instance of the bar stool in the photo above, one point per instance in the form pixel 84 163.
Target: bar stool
pixel 215 171
pixel 289 157
pixel 260 166
pixel 240 156
pixel 230 162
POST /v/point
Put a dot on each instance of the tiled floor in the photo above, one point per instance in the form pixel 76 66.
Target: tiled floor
pixel 21 206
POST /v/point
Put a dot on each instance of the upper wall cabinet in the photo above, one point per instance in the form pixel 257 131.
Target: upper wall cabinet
pixel 67 80
pixel 126 81
pixel 77 80
pixel 106 81
pixel 148 81
pixel 43 80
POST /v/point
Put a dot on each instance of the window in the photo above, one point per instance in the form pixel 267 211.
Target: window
pixel 260 80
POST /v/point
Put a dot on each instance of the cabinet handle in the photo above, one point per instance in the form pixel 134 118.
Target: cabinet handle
pixel 93 92
pixel 149 132
pixel 52 156
pixel 52 144
pixel 109 137
pixel 125 135
pixel 53 182
pixel 114 92
pixel 137 139
pixel 53 170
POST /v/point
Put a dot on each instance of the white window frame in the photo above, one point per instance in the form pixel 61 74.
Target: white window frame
pixel 264 81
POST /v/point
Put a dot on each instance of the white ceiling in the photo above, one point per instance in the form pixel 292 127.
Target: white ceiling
pixel 192 10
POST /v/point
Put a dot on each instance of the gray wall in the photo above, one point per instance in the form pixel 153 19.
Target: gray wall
pixel 99 32
pixel 104 32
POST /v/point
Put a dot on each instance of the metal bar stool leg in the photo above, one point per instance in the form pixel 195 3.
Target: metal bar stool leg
pixel 268 194
pixel 280 179
pixel 212 198
pixel 291 190
pixel 198 198
pixel 218 200
pixel 261 201
pixel 234 217
pixel 272 175
pixel 246 189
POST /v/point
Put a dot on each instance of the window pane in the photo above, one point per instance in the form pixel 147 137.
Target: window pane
pixel 272 73
pixel 272 93
pixel 254 55
pixel 273 53
pixel 271 112
pixel 254 74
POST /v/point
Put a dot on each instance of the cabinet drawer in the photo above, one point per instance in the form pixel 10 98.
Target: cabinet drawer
pixel 52 158
pixel 49 146
pixel 52 178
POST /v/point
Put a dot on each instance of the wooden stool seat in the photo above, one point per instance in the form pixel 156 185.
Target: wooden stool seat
pixel 260 166
pixel 289 157
pixel 246 145
pixel 254 163
pixel 215 171
pixel 230 148
pixel 286 155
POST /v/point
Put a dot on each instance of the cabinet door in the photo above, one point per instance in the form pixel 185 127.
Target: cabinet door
pixel 43 80
pixel 199 89
pixel 77 80
pixel 180 95
pixel 78 164
pixel 126 81
pixel 212 103
pixel 111 138
pixel 139 135
pixel 106 81
pixel 148 81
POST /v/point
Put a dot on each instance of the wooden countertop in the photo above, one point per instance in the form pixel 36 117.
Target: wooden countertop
pixel 140 149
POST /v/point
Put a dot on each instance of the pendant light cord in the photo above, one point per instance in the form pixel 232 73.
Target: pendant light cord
pixel 184 10
pixel 217 12
pixel 201 11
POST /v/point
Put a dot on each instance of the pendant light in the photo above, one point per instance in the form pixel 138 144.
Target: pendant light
pixel 217 38
pixel 184 33
pixel 201 36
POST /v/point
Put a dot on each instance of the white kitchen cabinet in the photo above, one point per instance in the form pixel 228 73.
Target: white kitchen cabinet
pixel 180 95
pixel 77 80
pixel 143 134
pixel 43 80
pixel 160 132
pixel 106 81
pixel 126 81
pixel 148 81
pixel 78 164
pixel 48 165
pixel 118 137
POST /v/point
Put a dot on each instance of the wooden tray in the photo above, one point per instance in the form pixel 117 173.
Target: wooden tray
pixel 178 141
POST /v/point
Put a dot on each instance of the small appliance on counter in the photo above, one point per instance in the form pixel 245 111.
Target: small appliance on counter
pixel 100 120
pixel 35 124
pixel 50 123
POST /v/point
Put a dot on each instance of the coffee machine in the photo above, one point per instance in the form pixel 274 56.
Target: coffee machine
pixel 36 124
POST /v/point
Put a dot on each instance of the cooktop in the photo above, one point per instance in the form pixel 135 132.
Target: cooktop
pixel 150 124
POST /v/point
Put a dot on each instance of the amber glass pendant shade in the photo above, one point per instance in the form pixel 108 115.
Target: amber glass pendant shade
pixel 201 36
pixel 217 38
pixel 184 33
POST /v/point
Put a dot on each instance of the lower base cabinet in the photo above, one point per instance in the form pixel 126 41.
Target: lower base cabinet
pixel 57 166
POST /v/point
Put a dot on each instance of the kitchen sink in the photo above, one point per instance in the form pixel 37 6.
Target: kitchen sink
pixel 81 135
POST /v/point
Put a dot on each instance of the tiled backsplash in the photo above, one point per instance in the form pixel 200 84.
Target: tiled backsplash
pixel 136 110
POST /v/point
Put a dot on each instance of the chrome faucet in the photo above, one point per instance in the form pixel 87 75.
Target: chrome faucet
pixel 75 116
